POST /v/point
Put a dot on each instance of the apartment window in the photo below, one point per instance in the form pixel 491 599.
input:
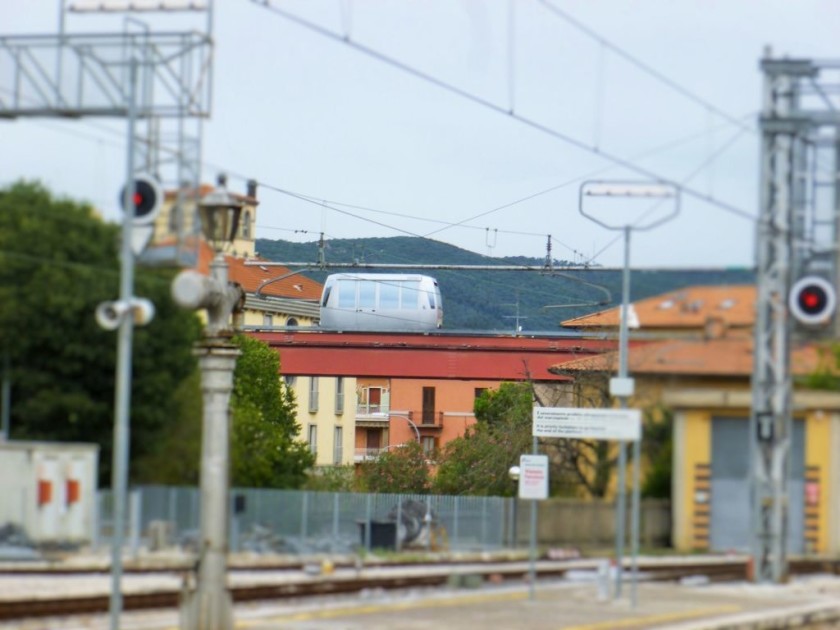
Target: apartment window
pixel 246 224
pixel 313 394
pixel 374 400
pixel 268 319
pixel 338 450
pixel 339 395
pixel 428 405
pixel 291 322
pixel 313 439
pixel 289 380
pixel 429 445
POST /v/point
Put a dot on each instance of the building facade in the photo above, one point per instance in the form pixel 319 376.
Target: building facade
pixel 701 374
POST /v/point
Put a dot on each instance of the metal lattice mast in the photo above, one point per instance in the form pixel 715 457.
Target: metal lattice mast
pixel 796 235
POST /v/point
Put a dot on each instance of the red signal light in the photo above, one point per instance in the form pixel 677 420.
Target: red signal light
pixel 812 300
pixel 146 200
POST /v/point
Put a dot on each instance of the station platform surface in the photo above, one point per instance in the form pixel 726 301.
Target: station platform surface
pixel 808 602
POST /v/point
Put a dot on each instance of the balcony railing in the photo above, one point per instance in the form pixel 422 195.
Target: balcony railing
pixel 367 409
pixel 367 454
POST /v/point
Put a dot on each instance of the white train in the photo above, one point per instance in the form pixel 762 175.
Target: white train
pixel 387 302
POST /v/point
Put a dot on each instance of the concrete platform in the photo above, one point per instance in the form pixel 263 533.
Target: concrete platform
pixel 812 602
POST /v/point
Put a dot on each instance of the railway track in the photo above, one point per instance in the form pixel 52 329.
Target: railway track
pixel 395 577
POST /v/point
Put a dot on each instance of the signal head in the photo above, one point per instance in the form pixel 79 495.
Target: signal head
pixel 812 301
pixel 147 199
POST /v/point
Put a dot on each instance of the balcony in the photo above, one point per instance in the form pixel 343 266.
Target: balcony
pixel 372 409
pixel 367 454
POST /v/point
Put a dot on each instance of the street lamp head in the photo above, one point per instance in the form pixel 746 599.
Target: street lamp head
pixel 219 212
pixel 513 473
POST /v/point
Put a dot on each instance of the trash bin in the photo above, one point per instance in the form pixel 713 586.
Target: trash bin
pixel 383 534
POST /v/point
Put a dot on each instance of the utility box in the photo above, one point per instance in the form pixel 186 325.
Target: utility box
pixel 49 489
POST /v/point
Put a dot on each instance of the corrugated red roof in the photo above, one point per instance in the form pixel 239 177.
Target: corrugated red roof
pixel 432 355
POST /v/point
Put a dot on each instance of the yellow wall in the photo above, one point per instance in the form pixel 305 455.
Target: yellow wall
pixel 325 419
pixel 817 477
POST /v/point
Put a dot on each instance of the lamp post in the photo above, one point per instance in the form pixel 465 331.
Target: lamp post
pixel 622 387
pixel 513 473
pixel 208 606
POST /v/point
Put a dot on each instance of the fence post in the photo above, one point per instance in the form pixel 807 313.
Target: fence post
pixel 170 512
pixel 483 523
pixel 336 499
pixel 134 509
pixel 304 508
pixel 367 522
pixel 455 517
pixel 398 542
pixel 429 521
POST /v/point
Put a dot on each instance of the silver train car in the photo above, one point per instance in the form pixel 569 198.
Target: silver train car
pixel 386 302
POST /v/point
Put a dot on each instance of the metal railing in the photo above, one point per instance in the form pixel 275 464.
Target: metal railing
pixel 300 522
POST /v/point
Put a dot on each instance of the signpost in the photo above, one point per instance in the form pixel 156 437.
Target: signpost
pixel 533 485
pixel 621 425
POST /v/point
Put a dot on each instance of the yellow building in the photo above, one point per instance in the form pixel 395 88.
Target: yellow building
pixel 326 424
pixel 703 377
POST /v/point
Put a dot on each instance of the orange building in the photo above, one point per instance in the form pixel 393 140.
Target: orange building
pixel 422 386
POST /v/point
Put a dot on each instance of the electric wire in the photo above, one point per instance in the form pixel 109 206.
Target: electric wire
pixel 534 124
pixel 665 80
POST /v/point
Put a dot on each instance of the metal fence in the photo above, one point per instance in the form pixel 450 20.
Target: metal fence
pixel 299 522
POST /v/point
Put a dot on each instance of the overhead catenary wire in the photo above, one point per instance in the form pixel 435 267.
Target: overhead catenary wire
pixel 534 124
pixel 665 80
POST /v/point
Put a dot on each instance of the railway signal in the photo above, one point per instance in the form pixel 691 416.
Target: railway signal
pixel 812 301
pixel 146 201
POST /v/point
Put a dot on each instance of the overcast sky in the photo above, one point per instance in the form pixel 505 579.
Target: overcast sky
pixel 307 113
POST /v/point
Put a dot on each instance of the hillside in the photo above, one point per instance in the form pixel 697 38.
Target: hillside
pixel 487 300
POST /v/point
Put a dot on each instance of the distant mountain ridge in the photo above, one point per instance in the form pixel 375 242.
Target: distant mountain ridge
pixel 498 300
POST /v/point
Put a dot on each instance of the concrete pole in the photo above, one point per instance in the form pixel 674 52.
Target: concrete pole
pixel 210 606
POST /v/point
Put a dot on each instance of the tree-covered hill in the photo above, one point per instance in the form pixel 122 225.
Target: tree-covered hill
pixel 490 300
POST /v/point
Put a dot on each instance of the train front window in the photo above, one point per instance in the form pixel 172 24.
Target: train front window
pixel 347 294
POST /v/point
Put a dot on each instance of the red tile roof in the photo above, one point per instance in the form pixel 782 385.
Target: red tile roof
pixel 294 287
pixel 732 356
pixel 691 307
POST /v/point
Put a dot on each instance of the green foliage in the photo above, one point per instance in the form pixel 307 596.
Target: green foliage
pixel 487 299
pixel 332 479
pixel 398 470
pixel 657 448
pixel 478 463
pixel 511 404
pixel 58 261
pixel 264 453
pixel 176 459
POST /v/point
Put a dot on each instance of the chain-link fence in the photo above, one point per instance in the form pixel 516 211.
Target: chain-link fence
pixel 298 522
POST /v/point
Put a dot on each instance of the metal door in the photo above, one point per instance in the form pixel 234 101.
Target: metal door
pixel 730 487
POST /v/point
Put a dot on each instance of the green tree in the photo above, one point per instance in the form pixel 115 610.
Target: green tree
pixel 332 479
pixel 399 470
pixel 58 261
pixel 657 449
pixel 264 452
pixel 478 463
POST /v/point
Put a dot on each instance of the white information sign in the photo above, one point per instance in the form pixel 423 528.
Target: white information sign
pixel 533 476
pixel 593 424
